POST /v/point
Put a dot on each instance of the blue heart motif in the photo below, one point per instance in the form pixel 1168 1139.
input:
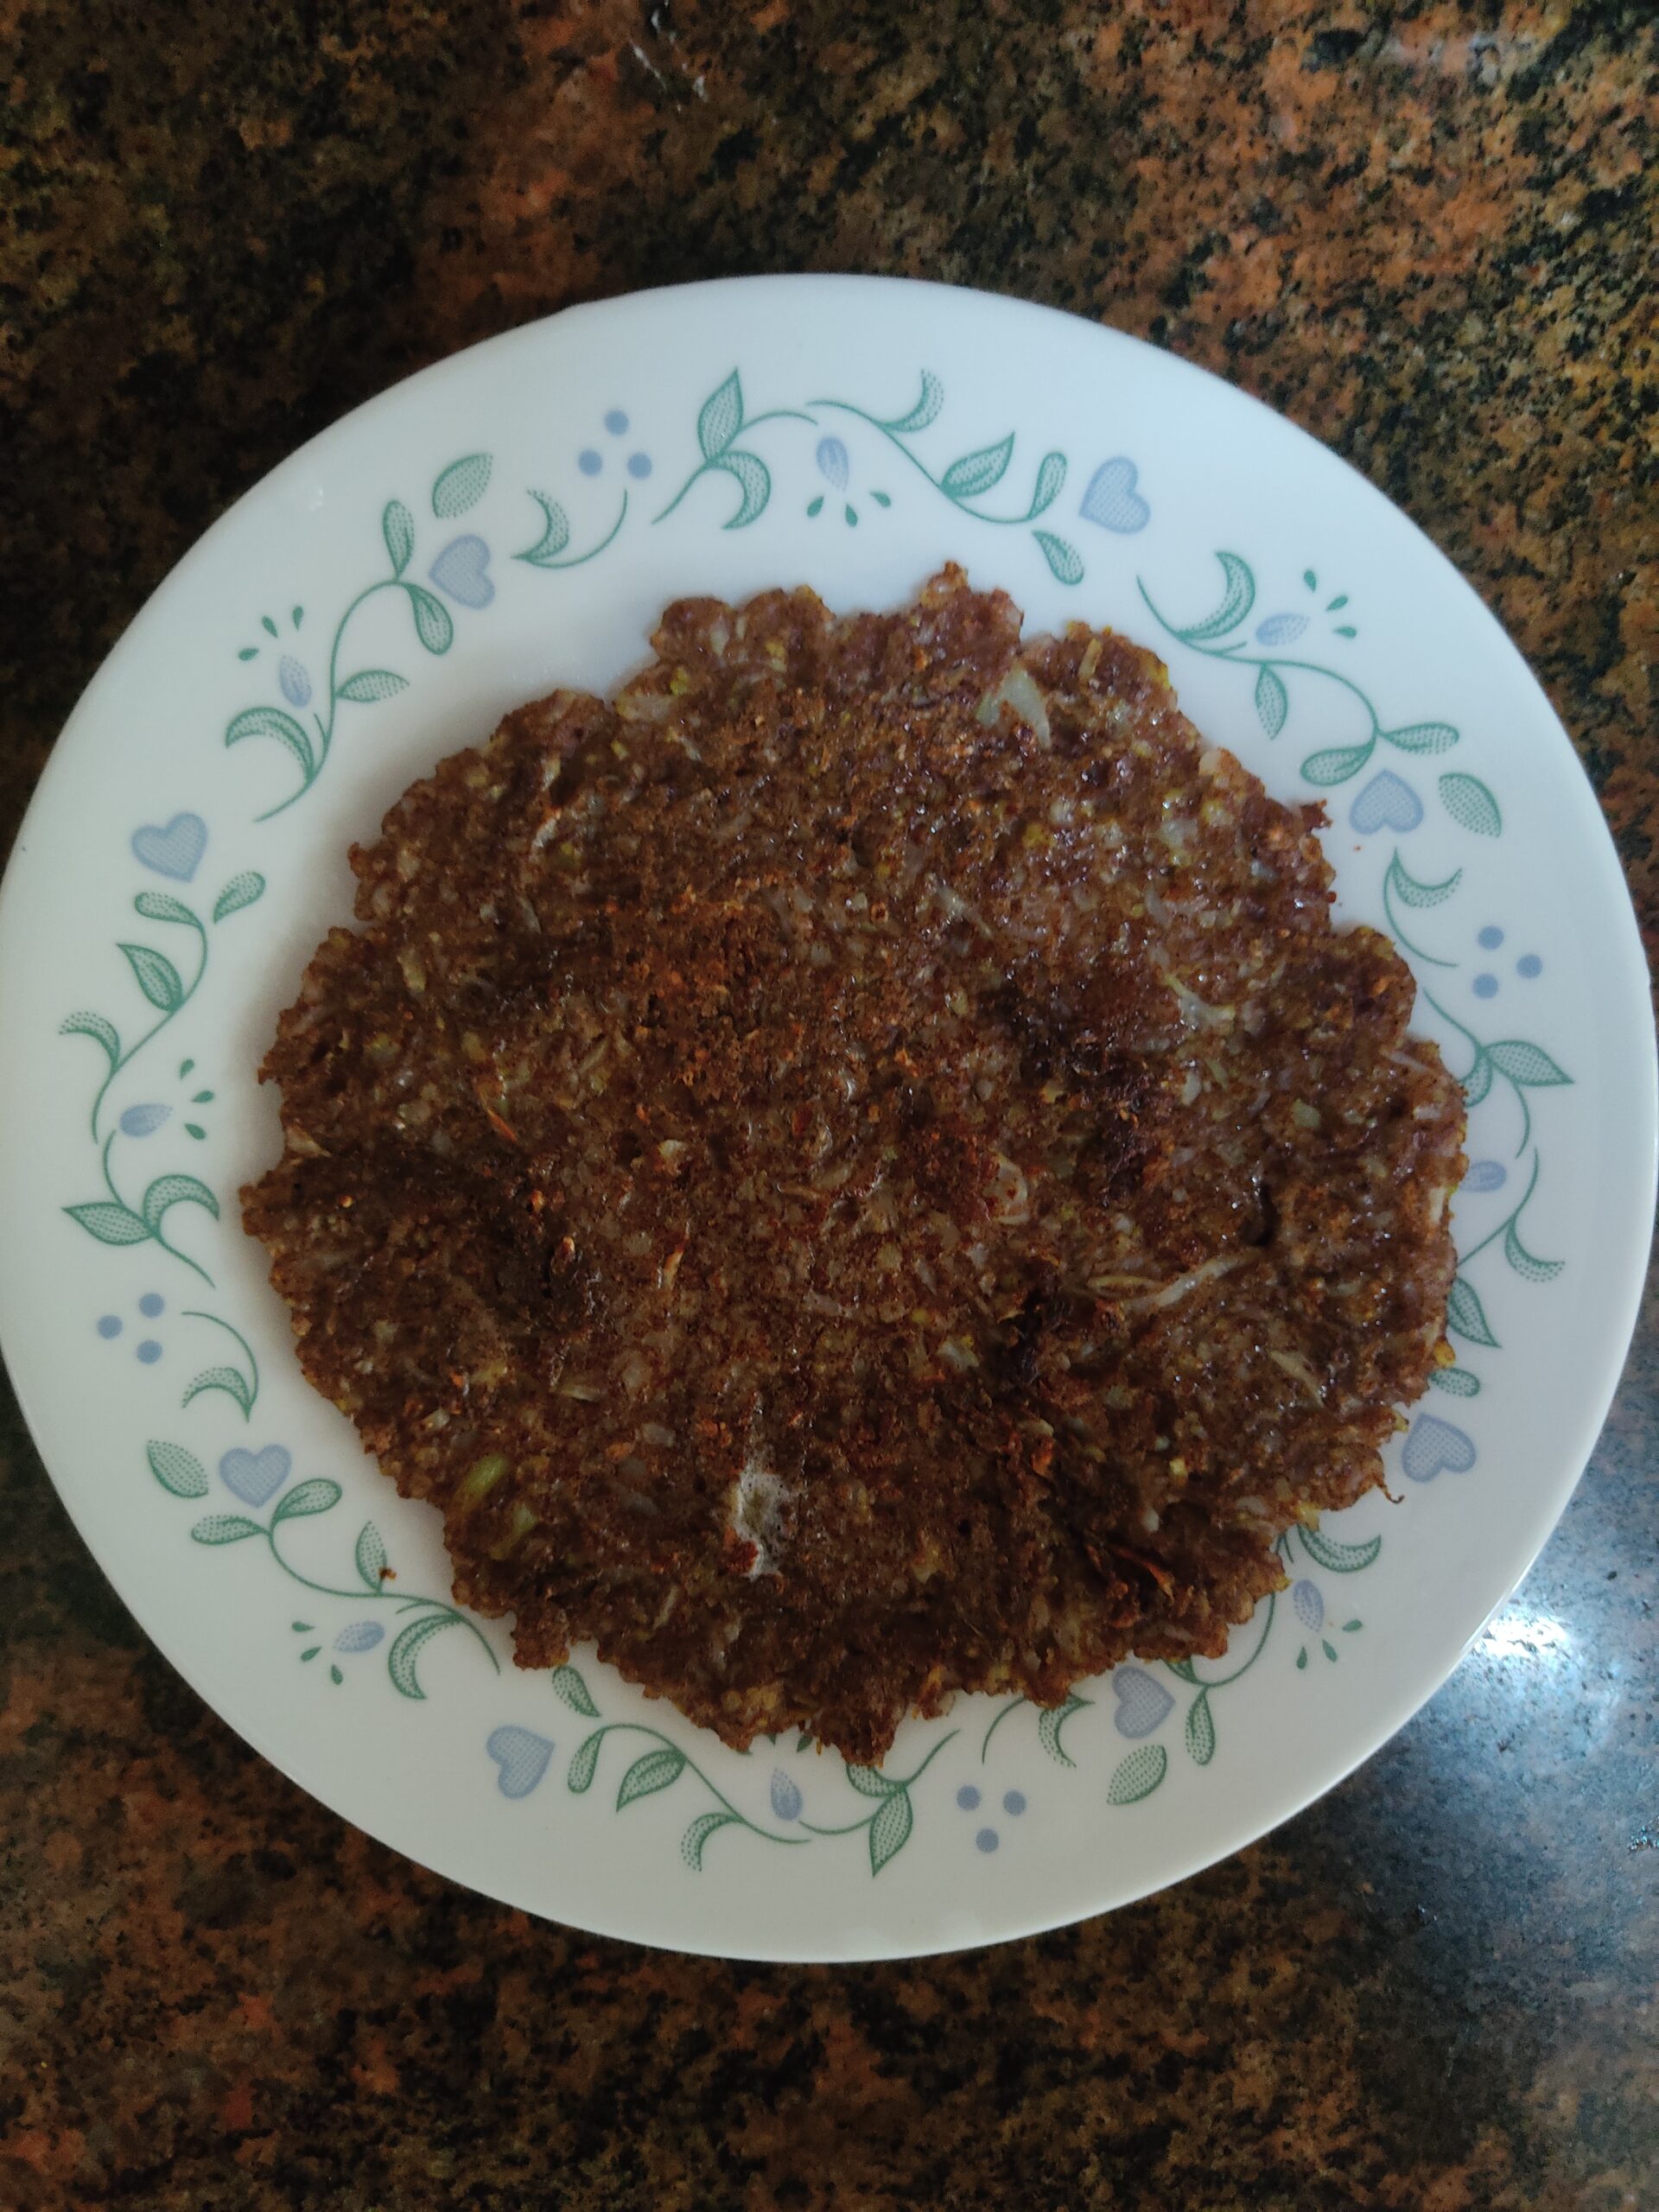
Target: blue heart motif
pixel 1434 1446
pixel 1112 500
pixel 1387 803
pixel 256 1476
pixel 175 850
pixel 1142 1704
pixel 522 1757
pixel 461 569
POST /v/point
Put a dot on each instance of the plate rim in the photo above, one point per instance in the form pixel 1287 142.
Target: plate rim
pixel 1629 1266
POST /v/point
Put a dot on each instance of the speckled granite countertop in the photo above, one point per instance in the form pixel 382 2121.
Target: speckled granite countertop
pixel 1428 242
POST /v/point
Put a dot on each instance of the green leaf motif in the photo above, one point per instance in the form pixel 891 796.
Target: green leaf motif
pixel 1529 1065
pixel 432 624
pixel 1051 481
pixel 1335 764
pixel 1406 889
pixel 1337 1558
pixel 402 1660
pixel 720 417
pixel 1200 1730
pixel 370 1558
pixel 1184 1668
pixel 173 1191
pixel 1272 700
pixel 318 1496
pixel 158 979
pixel 1236 602
pixel 162 906
pixel 1527 1264
pixel 1471 805
pixel 869 1782
pixel 372 685
pixel 1062 558
pixel 926 408
pixel 177 1470
pixel 102 1033
pixel 110 1224
pixel 1138 1776
pixel 569 1685
pixel 1422 737
pixel 244 889
pixel 1458 1380
pixel 655 1770
pixel 705 1825
pixel 1478 1081
pixel 585 1765
pixel 890 1829
pixel 230 1380
pixel 398 528
pixel 755 480
pixel 461 486
pixel 225 1528
pixel 972 474
pixel 271 721
pixel 1050 1724
pixel 555 533
pixel 1466 1317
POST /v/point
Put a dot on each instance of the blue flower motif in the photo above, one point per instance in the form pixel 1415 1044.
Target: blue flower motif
pixel 786 1800
pixel 1280 629
pixel 139 1120
pixel 1309 1601
pixel 295 680
pixel 361 1635
pixel 1486 1175
pixel 833 462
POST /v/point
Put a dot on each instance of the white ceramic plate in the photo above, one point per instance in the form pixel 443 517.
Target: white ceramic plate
pixel 514 519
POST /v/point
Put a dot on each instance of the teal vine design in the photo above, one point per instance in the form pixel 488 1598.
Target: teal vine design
pixel 1051 1720
pixel 243 1389
pixel 720 422
pixel 1523 1066
pixel 652 1771
pixel 182 1475
pixel 887 1825
pixel 971 475
pixel 556 535
pixel 1333 763
pixel 455 489
pixel 159 979
pixel 113 1221
pixel 1143 1769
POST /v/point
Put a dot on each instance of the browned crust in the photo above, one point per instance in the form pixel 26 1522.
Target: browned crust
pixel 844 1192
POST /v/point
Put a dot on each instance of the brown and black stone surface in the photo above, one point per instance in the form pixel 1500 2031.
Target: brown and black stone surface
pixel 1424 231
